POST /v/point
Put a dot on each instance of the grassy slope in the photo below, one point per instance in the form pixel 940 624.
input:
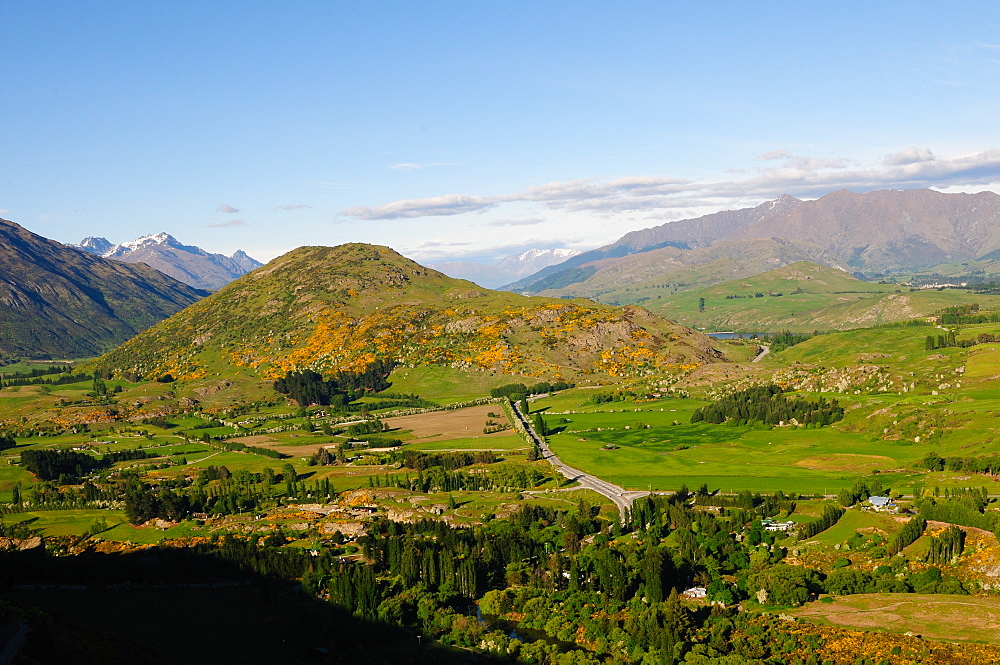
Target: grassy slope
pixel 888 431
pixel 828 299
pixel 937 616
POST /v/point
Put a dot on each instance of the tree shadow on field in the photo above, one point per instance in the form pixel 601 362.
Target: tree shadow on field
pixel 170 605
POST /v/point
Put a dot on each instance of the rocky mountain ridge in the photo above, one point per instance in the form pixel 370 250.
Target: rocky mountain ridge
pixel 187 263
pixel 58 302
pixel 871 233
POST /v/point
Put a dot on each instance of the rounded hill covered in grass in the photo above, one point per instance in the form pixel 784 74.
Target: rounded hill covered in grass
pixel 343 308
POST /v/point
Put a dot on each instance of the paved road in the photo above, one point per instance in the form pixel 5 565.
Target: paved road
pixel 764 351
pixel 618 495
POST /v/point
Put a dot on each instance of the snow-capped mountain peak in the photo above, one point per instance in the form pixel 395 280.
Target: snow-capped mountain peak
pixel 145 241
pixel 94 245
pixel 188 263
pixel 527 260
pixel 507 269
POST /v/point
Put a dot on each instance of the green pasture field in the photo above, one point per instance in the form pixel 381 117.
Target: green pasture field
pixel 148 535
pixel 936 616
pixel 447 385
pixel 900 349
pixel 857 520
pixel 863 305
pixel 77 522
pixel 886 432
pixel 729 458
pixel 27 366
pixel 983 365
pixel 9 475
pixel 66 522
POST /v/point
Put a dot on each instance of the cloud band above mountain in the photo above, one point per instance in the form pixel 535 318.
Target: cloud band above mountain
pixel 790 174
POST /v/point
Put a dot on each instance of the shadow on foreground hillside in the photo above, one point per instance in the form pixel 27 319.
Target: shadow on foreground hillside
pixel 161 606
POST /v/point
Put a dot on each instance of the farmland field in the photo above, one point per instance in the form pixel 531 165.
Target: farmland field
pixel 666 455
pixel 937 616
pixel 886 433
pixel 443 425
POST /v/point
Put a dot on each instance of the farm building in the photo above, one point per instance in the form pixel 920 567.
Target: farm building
pixel 881 503
pixel 773 525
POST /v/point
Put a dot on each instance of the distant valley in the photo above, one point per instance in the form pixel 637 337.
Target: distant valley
pixel 507 270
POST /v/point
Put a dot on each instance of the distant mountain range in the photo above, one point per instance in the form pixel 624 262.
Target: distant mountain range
pixel 871 234
pixel 507 269
pixel 58 302
pixel 187 263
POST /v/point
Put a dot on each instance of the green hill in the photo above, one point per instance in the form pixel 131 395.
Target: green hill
pixel 343 308
pixel 804 296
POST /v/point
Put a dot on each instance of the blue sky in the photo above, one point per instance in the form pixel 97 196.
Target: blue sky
pixel 475 129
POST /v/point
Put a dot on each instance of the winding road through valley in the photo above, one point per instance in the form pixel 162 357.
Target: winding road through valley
pixel 620 496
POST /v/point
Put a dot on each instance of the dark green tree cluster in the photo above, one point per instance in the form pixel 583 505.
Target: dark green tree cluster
pixel 110 458
pixel 373 379
pixel 894 578
pixel 307 387
pixel 964 511
pixel 51 464
pixel 985 464
pixel 608 396
pixel 415 459
pixel 766 404
pixel 7 440
pixel 913 529
pixel 60 380
pixel 944 547
pixel 831 515
pixel 538 423
pixel 752 502
pixel 862 489
pixel 785 339
pixel 516 390
pixel 500 477
pixel 966 315
pixel 374 426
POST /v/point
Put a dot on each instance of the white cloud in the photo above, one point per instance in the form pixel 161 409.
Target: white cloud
pixel 798 175
pixel 435 206
pixel 909 156
pixel 414 166
pixel 516 222
pixel 774 154
pixel 430 251
pixel 223 225
pixel 294 206
pixel 226 208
